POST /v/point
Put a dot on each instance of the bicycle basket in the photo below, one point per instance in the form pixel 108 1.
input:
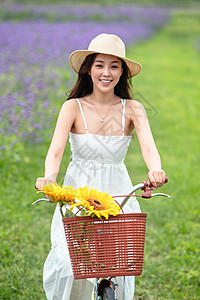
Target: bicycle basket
pixel 101 248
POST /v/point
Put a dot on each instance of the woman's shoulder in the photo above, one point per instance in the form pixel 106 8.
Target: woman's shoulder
pixel 135 110
pixel 134 104
pixel 70 104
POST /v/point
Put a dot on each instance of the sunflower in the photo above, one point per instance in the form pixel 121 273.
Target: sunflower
pixel 60 194
pixel 97 203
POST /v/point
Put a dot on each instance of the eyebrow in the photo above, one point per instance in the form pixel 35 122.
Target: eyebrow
pixel 101 61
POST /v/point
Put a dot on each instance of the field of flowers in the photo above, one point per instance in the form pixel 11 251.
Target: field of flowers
pixel 34 51
pixel 34 76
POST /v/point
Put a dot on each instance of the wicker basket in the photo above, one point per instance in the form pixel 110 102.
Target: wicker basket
pixel 113 247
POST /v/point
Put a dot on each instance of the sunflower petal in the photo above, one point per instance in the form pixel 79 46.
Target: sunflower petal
pixel 97 203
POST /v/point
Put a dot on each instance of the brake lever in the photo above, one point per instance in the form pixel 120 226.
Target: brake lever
pixel 161 194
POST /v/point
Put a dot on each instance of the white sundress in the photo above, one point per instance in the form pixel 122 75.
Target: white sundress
pixel 98 162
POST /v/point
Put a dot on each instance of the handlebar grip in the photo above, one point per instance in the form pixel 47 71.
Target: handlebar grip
pixel 166 180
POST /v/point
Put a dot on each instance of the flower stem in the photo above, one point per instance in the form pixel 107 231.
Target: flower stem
pixel 61 205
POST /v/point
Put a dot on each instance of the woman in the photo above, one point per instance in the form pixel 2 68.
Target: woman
pixel 99 117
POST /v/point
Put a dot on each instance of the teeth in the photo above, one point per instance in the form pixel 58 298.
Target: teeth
pixel 106 81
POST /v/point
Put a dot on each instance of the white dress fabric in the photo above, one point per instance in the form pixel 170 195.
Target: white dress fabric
pixel 98 162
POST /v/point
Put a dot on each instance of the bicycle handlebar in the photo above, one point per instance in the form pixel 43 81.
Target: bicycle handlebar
pixel 146 186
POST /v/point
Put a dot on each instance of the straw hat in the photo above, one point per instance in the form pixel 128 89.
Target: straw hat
pixel 106 44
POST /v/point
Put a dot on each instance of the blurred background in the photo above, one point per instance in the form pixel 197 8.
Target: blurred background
pixel 36 38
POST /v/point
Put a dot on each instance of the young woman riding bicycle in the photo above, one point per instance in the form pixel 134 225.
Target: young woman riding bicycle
pixel 99 117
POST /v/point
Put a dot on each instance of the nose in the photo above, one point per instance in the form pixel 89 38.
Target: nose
pixel 106 71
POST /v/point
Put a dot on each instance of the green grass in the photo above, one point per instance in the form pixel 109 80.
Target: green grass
pixel 168 87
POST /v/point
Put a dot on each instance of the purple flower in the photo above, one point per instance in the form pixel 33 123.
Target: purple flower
pixel 37 126
pixel 38 140
pixel 2 147
pixel 45 104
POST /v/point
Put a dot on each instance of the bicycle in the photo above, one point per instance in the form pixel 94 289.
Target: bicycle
pixel 108 248
pixel 123 238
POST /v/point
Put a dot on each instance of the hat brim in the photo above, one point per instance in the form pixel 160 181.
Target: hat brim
pixel 77 58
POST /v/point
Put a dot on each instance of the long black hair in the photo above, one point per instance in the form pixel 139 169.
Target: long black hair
pixel 84 84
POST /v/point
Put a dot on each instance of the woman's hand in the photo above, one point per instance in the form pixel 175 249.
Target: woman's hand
pixel 40 182
pixel 156 177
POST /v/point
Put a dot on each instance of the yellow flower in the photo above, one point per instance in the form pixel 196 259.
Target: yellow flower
pixel 97 203
pixel 60 194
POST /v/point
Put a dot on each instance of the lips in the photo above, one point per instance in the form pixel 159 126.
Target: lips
pixel 106 81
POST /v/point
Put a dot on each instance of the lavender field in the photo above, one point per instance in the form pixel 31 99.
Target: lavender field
pixel 34 52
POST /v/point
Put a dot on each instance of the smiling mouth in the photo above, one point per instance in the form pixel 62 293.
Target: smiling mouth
pixel 105 81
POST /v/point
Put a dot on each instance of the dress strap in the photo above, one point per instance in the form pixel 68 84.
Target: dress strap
pixel 123 115
pixel 79 103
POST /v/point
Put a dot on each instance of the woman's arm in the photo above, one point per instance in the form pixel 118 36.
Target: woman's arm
pixel 149 151
pixel 53 159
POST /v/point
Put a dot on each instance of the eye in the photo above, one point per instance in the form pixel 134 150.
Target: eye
pixel 99 66
pixel 114 67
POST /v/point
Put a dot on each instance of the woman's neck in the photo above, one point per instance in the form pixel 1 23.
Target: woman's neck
pixel 104 98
